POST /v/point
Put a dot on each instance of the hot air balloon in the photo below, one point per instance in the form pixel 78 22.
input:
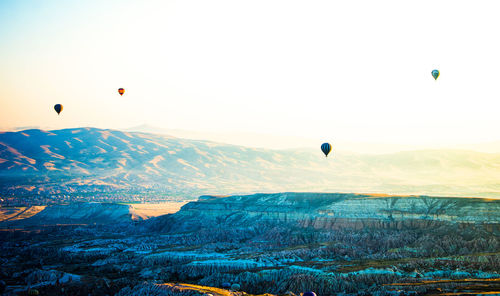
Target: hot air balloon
pixel 226 285
pixel 235 287
pixel 58 108
pixel 121 91
pixel 309 294
pixel 326 148
pixel 435 74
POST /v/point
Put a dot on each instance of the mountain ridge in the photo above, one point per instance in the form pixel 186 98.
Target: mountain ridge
pixel 97 161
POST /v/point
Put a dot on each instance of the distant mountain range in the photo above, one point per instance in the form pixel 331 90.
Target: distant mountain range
pixel 90 160
pixel 285 142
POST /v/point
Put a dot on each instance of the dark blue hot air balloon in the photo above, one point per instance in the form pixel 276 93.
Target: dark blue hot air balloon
pixel 309 294
pixel 58 108
pixel 326 148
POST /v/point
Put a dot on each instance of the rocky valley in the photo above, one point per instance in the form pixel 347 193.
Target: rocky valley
pixel 282 243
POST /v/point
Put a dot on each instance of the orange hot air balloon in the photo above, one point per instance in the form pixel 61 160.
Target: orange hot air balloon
pixel 121 91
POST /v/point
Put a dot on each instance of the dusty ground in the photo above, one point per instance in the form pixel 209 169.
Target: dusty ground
pixel 138 211
pixel 18 213
pixel 202 289
pixel 149 210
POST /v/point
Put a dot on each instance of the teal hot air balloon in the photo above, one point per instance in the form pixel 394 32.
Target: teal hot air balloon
pixel 326 148
pixel 435 74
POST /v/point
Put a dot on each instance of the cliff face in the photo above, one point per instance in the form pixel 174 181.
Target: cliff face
pixel 331 211
pixel 317 210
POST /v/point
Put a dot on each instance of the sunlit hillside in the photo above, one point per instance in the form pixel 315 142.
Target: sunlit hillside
pixel 90 161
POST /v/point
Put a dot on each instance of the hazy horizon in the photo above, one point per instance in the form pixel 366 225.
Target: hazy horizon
pixel 283 142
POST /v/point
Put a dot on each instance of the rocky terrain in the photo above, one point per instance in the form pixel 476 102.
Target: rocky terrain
pixel 335 211
pixel 281 244
pixel 87 164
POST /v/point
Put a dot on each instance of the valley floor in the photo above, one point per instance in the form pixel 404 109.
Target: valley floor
pixel 195 252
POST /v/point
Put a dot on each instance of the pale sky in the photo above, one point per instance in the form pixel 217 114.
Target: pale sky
pixel 334 70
